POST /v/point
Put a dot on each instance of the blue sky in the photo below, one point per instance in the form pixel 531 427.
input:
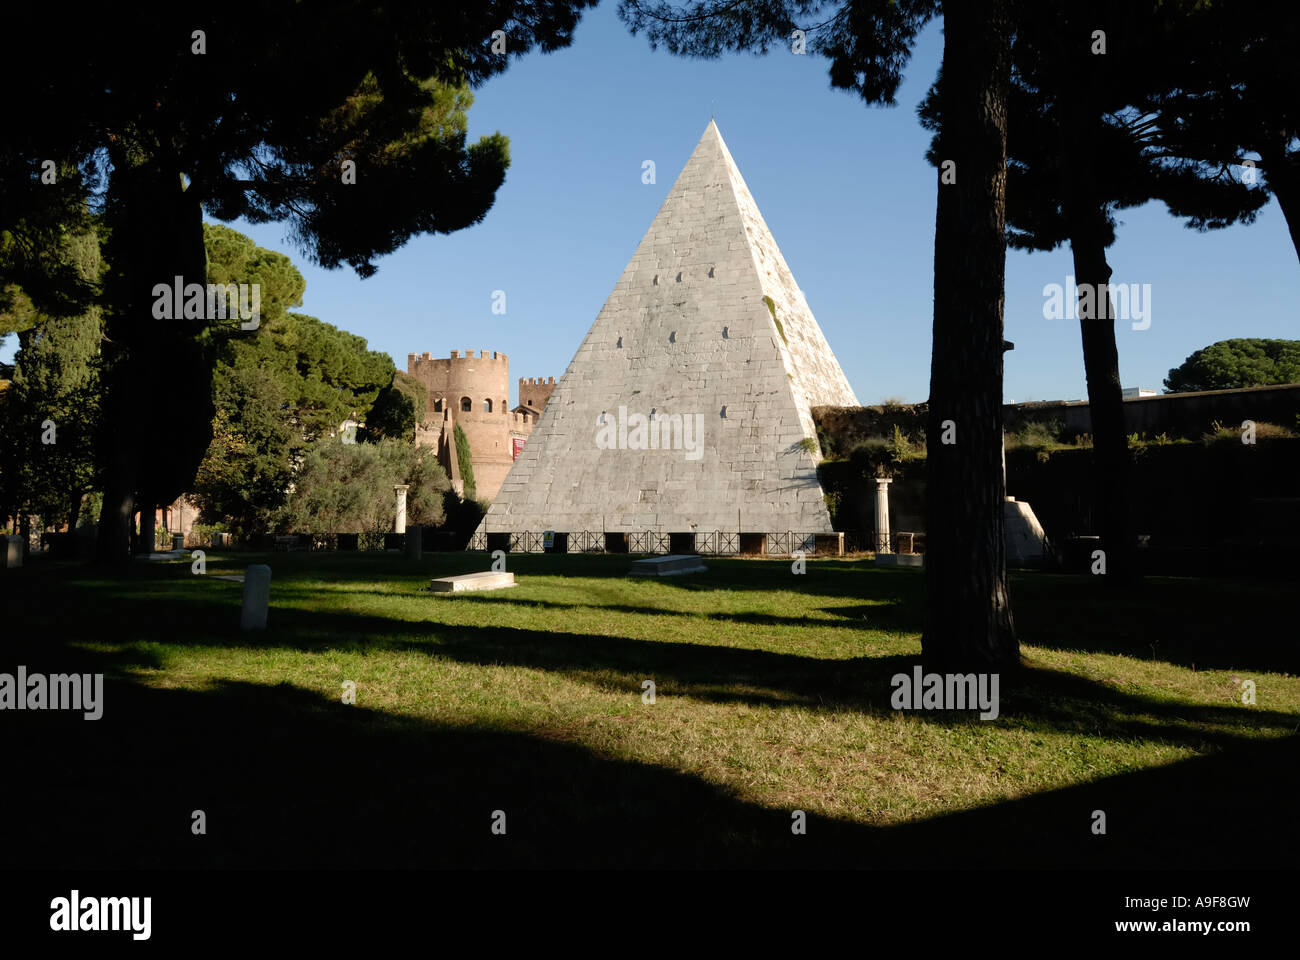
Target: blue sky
pixel 844 188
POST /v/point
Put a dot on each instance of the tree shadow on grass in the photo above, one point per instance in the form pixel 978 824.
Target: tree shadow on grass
pixel 1208 624
pixel 1214 624
pixel 1231 809
pixel 1205 623
pixel 710 673
pixel 1043 697
pixel 1038 698
pixel 287 778
pixel 705 672
pixel 294 779
pixel 892 616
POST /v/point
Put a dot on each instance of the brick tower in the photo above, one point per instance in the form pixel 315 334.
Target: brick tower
pixel 472 391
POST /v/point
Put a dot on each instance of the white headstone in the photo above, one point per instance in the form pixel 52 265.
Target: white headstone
pixel 1026 540
pixel 13 551
pixel 257 597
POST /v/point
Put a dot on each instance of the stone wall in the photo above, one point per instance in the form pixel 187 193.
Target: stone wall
pixel 1187 415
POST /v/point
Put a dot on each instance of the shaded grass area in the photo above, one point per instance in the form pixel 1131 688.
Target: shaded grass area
pixel 772 694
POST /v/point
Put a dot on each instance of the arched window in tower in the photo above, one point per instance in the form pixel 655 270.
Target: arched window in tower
pixel 487 406
pixel 466 405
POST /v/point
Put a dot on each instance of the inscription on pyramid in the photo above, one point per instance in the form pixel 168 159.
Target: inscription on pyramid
pixel 687 406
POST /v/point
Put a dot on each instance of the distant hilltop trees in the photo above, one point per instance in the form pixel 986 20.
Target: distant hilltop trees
pixel 1245 362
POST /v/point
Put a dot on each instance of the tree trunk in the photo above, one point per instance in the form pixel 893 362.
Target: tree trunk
pixel 1089 233
pixel 156 235
pixel 1110 454
pixel 113 545
pixel 1284 181
pixel 74 510
pixel 145 542
pixel 968 622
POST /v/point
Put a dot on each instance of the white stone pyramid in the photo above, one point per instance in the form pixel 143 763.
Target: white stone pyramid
pixel 707 325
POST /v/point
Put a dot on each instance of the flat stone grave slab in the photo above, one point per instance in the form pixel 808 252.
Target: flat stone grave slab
pixel 487 580
pixel 674 564
pixel 161 556
pixel 233 577
pixel 900 559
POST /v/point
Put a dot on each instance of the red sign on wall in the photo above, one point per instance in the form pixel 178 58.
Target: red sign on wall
pixel 518 445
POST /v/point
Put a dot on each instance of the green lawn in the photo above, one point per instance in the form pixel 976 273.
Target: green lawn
pixel 772 694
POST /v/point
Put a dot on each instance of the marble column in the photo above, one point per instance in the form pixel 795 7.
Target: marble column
pixel 882 515
pixel 400 489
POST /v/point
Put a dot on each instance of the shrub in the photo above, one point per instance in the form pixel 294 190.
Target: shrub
pixel 1035 436
pixel 348 487
pixel 833 506
pixel 903 448
pixel 878 457
pixel 204 532
pixel 870 457
pixel 1263 431
pixel 1273 431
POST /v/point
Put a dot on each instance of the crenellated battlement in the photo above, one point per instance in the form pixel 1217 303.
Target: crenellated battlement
pixel 427 357
pixel 534 392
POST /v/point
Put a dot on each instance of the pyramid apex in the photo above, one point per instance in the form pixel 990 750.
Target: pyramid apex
pixel 712 147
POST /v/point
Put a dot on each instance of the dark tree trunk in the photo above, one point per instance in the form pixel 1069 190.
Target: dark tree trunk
pixel 156 235
pixel 113 545
pixel 74 510
pixel 1110 454
pixel 145 540
pixel 968 622
pixel 1284 180
pixel 1090 232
